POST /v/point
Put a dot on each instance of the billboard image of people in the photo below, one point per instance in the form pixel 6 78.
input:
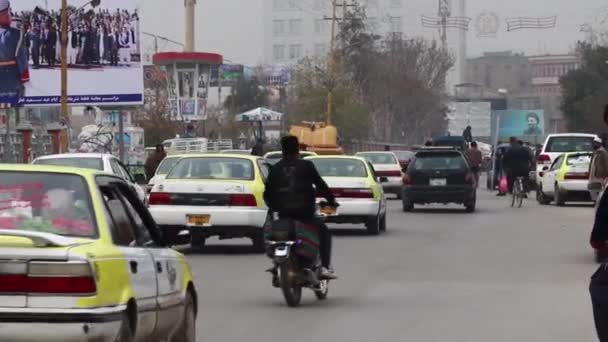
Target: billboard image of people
pixel 521 123
pixel 103 52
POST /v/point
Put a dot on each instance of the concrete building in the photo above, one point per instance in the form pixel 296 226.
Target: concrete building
pixel 526 82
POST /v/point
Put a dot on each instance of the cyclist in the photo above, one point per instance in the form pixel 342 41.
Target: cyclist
pixel 517 162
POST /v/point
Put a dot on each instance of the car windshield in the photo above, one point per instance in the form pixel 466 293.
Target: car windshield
pixel 340 167
pixel 379 158
pixel 166 165
pixel 81 162
pixel 439 161
pixel 579 160
pixel 212 168
pixel 404 155
pixel 46 202
pixel 569 144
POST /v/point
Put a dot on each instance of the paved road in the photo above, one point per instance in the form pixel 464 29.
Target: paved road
pixel 438 275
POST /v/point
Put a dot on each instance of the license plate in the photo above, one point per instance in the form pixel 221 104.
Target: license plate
pixel 439 182
pixel 328 211
pixel 198 220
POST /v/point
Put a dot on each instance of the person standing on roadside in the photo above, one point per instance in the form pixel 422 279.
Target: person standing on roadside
pixel 475 158
pixel 154 160
pixel 468 135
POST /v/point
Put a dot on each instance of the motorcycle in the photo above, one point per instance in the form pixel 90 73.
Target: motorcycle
pixel 294 266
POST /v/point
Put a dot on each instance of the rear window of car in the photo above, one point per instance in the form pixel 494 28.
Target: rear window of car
pixel 405 155
pixel 46 202
pixel 379 158
pixel 439 161
pixel 579 159
pixel 569 144
pixel 85 163
pixel 166 165
pixel 212 168
pixel 340 167
pixel 274 156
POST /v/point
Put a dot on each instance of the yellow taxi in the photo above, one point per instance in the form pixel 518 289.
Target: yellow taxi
pixel 81 259
pixel 567 179
pixel 212 195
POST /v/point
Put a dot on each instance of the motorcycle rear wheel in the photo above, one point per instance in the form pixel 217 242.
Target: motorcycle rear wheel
pixel 291 291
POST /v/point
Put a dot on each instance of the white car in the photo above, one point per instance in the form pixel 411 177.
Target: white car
pixel 212 195
pixel 95 161
pixel 163 169
pixel 567 179
pixel 356 188
pixel 386 164
pixel 557 144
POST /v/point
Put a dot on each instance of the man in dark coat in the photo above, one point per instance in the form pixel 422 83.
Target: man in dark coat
pixel 154 160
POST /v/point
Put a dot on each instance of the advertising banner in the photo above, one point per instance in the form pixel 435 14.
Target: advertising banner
pixel 521 123
pixel 104 53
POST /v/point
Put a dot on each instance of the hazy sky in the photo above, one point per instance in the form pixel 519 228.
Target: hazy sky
pixel 234 27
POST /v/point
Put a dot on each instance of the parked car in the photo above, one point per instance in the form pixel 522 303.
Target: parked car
pixel 357 189
pixel 212 195
pixel 386 164
pixel 405 158
pixel 439 176
pixel 96 161
pixel 558 144
pixel 81 259
pixel 455 141
pixel 567 179
pixel 274 157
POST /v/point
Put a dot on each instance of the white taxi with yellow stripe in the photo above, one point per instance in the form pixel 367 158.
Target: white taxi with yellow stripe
pixel 212 195
pixel 81 259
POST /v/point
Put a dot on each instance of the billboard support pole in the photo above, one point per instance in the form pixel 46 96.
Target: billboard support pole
pixel 121 134
pixel 7 137
pixel 64 63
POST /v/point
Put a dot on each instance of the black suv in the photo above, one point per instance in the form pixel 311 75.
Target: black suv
pixel 439 175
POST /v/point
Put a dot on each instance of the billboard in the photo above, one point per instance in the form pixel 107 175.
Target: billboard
pixel 521 123
pixel 478 115
pixel 104 52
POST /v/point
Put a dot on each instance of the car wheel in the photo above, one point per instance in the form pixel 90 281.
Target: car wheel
pixel 197 240
pixel 125 334
pixel 373 225
pixel 560 201
pixel 383 223
pixel 259 244
pixel 471 205
pixel 187 330
pixel 541 198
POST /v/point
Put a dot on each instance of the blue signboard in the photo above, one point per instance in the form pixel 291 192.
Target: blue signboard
pixel 521 123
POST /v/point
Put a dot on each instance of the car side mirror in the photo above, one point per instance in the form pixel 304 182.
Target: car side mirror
pixel 140 179
pixel 383 180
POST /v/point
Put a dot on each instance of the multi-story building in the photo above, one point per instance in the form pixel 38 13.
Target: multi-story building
pixel 526 82
pixel 295 29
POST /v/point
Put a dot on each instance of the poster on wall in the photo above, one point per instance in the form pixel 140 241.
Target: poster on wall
pixel 104 53
pixel 521 123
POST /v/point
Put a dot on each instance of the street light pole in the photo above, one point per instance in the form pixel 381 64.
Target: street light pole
pixel 331 63
pixel 64 63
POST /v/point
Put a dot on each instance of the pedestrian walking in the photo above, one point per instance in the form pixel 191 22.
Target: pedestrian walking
pixel 467 134
pixel 474 158
pixel 154 160
pixel 599 298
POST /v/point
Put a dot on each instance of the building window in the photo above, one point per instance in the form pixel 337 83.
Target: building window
pixel 279 52
pixel 395 25
pixel 295 51
pixel 320 50
pixel 278 27
pixel 295 27
pixel 321 26
pixel 395 3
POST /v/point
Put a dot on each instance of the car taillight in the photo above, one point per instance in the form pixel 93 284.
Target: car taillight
pixel 352 193
pixel 57 278
pixel 543 159
pixel 395 173
pixel 577 175
pixel 159 198
pixel 243 200
pixel 469 179
pixel 407 180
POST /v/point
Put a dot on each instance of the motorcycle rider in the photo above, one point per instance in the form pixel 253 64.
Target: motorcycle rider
pixel 291 190
pixel 517 162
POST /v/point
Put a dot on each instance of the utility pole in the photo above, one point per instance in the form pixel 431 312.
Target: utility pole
pixel 331 64
pixel 190 26
pixel 64 64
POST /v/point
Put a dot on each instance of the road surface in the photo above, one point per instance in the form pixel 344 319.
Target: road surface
pixel 439 274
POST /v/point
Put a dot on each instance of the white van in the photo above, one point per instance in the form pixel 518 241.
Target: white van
pixel 558 144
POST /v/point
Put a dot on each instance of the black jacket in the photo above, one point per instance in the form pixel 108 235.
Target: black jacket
pixel 291 189
pixel 517 160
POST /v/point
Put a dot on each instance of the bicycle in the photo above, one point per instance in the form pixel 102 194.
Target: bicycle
pixel 518 192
